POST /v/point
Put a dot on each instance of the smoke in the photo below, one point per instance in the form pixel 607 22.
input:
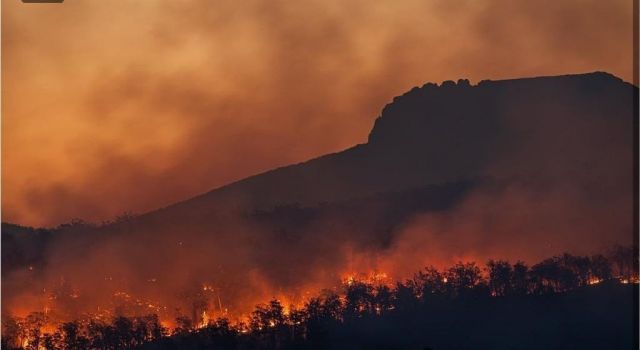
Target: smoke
pixel 225 270
pixel 179 98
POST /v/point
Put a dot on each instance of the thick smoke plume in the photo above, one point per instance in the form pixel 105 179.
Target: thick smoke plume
pixel 182 97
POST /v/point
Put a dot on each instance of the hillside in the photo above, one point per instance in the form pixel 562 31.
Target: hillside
pixel 515 169
pixel 454 132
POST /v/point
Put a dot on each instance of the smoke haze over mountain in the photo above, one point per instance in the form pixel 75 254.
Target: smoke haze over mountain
pixel 517 169
pixel 182 97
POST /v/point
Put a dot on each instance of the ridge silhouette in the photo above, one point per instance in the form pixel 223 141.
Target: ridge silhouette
pixel 431 135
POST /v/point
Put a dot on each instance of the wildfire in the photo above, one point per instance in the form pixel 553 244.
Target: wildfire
pixel 204 320
pixel 350 280
pixel 374 277
pixel 627 280
pixel 204 303
pixel 169 325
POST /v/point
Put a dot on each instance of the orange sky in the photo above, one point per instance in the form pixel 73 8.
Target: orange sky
pixel 129 105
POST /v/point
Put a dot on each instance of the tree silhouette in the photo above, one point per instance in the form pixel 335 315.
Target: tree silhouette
pixel 405 298
pixel 32 327
pixel 625 261
pixel 184 325
pixel 123 335
pixel 382 299
pixel 359 300
pixel 11 333
pixel 462 279
pixel 365 315
pixel 579 266
pixel 429 283
pixel 520 280
pixel 51 341
pixel 500 277
pixel 269 322
pixel 600 268
pixel 72 338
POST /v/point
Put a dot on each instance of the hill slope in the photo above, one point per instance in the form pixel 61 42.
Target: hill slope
pixel 452 132
pixel 515 169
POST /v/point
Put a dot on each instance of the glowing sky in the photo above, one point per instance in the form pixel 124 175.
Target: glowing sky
pixel 129 105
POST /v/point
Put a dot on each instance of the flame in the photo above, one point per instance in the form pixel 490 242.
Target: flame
pixel 627 280
pixel 204 320
pixel 129 302
pixel 373 277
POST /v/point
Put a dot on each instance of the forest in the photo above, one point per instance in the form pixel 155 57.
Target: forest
pixel 565 301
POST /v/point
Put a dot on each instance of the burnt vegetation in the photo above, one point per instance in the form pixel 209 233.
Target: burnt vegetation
pixel 565 301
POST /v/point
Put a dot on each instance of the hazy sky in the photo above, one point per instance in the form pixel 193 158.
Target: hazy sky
pixel 129 105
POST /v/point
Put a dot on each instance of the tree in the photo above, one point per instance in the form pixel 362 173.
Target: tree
pixel 520 278
pixel 463 278
pixel 579 266
pixel 72 338
pixel 332 306
pixel 269 323
pixel 625 261
pixel 382 300
pixel 600 268
pixel 500 276
pixel 359 300
pixel 10 333
pixel 317 321
pixel 123 335
pixel 52 341
pixel 220 333
pixel 101 335
pixel 323 314
pixel 296 319
pixel 32 330
pixel 430 282
pixel 184 325
pixel 553 275
pixel 405 298
pixel 268 316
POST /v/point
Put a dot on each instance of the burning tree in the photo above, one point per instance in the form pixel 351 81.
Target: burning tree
pixel 432 295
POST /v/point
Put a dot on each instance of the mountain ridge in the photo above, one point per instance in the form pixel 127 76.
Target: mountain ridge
pixel 383 163
pixel 402 125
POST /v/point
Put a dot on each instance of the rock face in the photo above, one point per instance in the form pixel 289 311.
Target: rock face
pixel 544 128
